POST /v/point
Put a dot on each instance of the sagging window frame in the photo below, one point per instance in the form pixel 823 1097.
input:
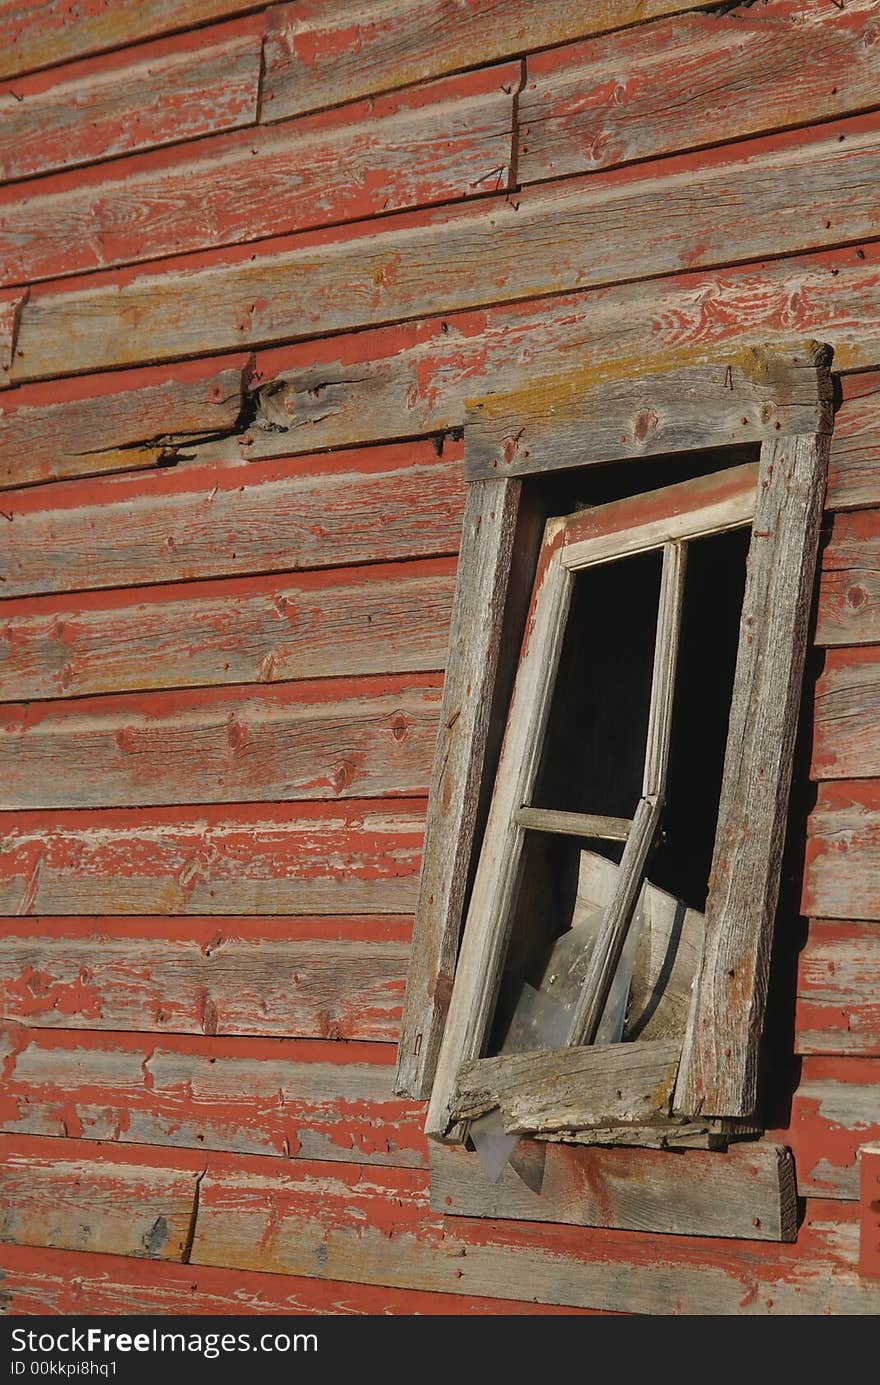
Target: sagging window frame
pixel 781 399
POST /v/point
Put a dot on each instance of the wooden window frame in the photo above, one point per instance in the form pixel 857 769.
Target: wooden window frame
pixel 780 399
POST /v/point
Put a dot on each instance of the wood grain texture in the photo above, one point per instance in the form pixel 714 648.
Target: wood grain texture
pixel 749 398
pixel 41 33
pixel 402 380
pixel 721 1052
pixel 278 1098
pixel 37 1281
pixel 485 559
pixel 693 80
pixel 749 1192
pixel 283 744
pixel 100 110
pixel 834 1111
pixel 849 592
pixel 381 619
pixel 130 421
pixel 838 989
pixel 843 852
pixel 319 54
pixel 353 858
pixel 854 466
pixel 365 1232
pixel 846 718
pixel 437 144
pixel 571 1088
pixel 74 1198
pixel 10 311
pixel 330 979
pixel 179 524
pixel 490 907
pixel 547 241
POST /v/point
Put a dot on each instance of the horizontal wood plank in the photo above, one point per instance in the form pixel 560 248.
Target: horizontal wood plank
pixel 177 524
pixel 854 469
pixel 838 989
pixel 843 852
pixel 834 1111
pixel 849 590
pixel 546 241
pixel 127 423
pixel 437 144
pixel 744 399
pixel 571 1088
pixel 748 1192
pixel 339 979
pixel 281 744
pixel 319 54
pixel 37 1281
pixel 694 80
pixel 39 33
pixel 402 380
pixel 381 619
pixel 104 109
pixel 282 1099
pixel 348 1227
pixel 50 1197
pixel 846 719
pixel 317 859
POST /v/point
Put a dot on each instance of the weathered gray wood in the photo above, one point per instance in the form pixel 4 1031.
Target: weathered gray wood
pixel 843 852
pixel 702 214
pixel 748 1192
pixel 663 678
pixel 10 310
pixel 720 1060
pixel 107 426
pixel 240 979
pixel 854 464
pixel 566 420
pixel 55 1197
pixel 318 56
pixel 265 630
pixel 833 1112
pixel 485 557
pixel 419 379
pixel 190 522
pixel 616 921
pixel 38 33
pixel 838 990
pixel 335 1224
pixel 846 716
pixel 849 589
pixel 486 933
pixel 574 824
pixel 268 745
pixel 569 1088
pixel 447 144
pixel 100 113
pixel 344 858
pixel 273 1097
pixel 696 79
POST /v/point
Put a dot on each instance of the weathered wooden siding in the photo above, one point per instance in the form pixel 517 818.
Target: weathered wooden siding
pixel 256 258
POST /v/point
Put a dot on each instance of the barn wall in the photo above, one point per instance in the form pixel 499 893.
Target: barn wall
pixel 254 260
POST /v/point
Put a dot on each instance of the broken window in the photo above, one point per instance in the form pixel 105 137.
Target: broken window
pixel 612 760
pixel 618 898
